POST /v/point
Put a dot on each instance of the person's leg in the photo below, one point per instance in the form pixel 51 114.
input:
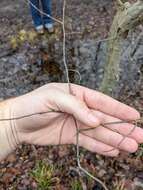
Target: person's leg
pixel 46 4
pixel 36 16
pixel 48 22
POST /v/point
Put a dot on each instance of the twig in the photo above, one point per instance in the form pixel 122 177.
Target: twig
pixel 113 123
pixel 29 115
pixel 64 46
pixel 77 72
pixel 43 13
pixel 78 159
pixel 70 91
pixel 124 137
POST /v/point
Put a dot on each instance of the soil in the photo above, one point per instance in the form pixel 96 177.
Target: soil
pixel 27 64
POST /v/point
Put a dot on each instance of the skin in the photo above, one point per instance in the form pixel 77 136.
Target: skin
pixel 88 107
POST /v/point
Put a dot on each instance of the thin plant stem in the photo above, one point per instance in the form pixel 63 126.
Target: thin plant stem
pixel 29 115
pixel 43 13
pixel 78 159
pixel 124 137
pixel 70 91
pixel 64 47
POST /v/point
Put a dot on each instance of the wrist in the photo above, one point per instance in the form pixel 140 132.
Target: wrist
pixel 8 134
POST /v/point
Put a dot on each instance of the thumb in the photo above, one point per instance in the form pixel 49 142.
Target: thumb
pixel 72 105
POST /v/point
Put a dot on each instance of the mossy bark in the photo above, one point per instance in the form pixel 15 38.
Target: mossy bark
pixel 128 17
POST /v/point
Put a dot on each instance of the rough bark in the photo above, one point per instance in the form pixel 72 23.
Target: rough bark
pixel 128 17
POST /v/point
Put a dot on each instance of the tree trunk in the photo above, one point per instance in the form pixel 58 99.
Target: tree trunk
pixel 128 17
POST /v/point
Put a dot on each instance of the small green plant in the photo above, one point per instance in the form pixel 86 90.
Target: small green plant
pixel 119 185
pixel 139 153
pixel 44 176
pixel 76 185
pixel 141 148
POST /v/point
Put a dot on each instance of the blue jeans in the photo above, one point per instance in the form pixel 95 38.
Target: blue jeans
pixel 38 18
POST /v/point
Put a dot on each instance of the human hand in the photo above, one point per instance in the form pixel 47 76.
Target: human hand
pixel 90 109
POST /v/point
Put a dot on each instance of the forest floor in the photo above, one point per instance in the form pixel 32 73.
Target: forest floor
pixel 28 61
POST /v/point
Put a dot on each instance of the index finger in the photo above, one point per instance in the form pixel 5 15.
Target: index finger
pixel 99 101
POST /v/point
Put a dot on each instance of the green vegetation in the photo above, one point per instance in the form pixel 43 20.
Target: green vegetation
pixel 119 185
pixel 76 185
pixel 139 153
pixel 21 37
pixel 44 176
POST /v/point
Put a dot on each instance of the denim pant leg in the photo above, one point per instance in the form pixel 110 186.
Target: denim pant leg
pixel 46 4
pixel 36 16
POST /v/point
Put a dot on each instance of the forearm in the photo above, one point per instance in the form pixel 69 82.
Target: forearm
pixel 8 136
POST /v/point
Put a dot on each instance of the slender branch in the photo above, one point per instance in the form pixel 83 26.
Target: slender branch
pixel 78 159
pixel 123 139
pixel 64 46
pixel 43 13
pixel 29 115
pixel 114 39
